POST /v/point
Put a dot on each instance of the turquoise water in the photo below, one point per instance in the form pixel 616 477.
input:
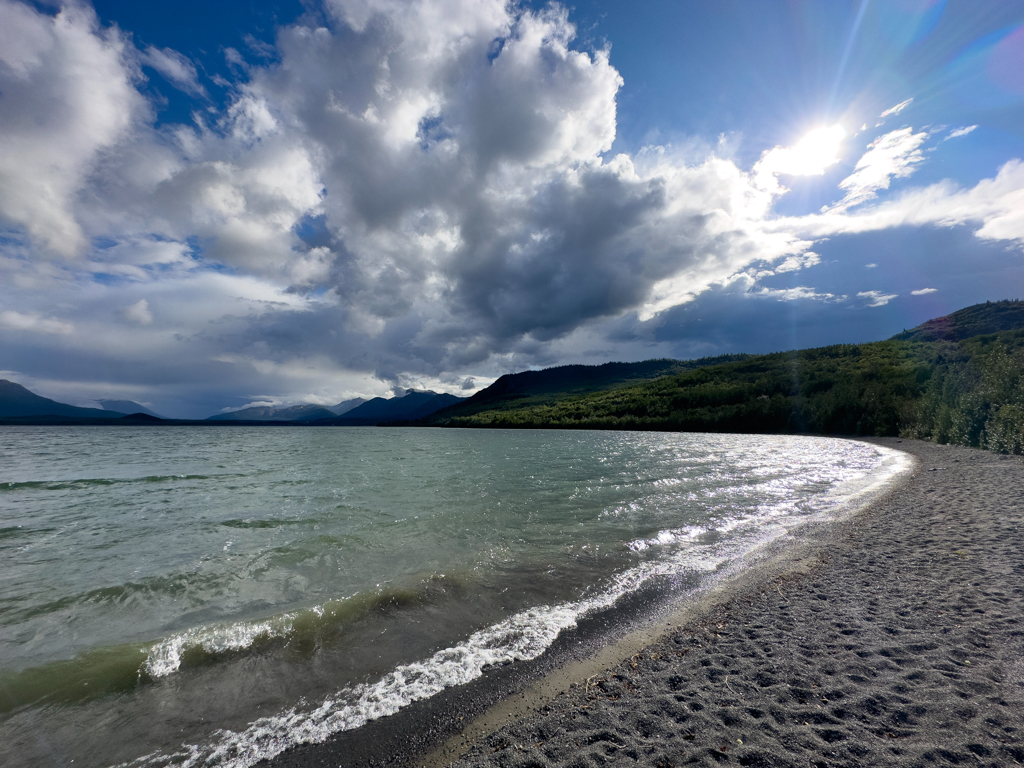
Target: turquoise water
pixel 209 596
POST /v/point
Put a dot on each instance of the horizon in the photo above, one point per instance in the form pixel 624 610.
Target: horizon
pixel 398 393
pixel 310 202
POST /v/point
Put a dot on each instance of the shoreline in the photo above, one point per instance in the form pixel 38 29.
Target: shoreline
pixel 902 645
pixel 469 719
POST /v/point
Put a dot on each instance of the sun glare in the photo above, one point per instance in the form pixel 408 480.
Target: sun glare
pixel 816 151
pixel 810 156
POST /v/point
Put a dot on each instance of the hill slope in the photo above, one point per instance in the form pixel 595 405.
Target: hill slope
pixel 990 317
pixel 515 391
pixel 968 391
pixel 816 390
pixel 411 406
pixel 346 405
pixel 16 401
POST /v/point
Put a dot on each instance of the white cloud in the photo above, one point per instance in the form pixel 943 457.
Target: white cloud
pixel 871 266
pixel 996 204
pixel 409 192
pixel 893 155
pixel 923 291
pixel 796 293
pixel 177 68
pixel 897 109
pixel 960 132
pixel 16 321
pixel 876 298
pixel 796 262
pixel 66 95
pixel 259 402
pixel 139 313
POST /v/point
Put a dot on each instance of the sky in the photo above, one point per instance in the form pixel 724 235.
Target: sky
pixel 205 206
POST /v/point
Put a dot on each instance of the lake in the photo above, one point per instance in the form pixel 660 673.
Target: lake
pixel 212 595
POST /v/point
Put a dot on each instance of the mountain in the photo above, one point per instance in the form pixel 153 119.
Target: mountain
pixel 346 405
pixel 305 412
pixel 410 406
pixel 126 406
pixel 508 399
pixel 990 317
pixel 548 386
pixel 16 401
pixel 948 387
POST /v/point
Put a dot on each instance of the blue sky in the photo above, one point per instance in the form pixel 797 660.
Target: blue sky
pixel 207 205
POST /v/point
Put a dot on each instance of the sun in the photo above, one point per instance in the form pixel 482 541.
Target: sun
pixel 815 152
pixel 810 156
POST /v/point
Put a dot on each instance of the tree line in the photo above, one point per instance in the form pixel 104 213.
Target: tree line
pixel 968 392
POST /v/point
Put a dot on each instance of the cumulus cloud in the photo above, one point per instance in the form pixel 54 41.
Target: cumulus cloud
pixel 66 95
pixel 876 298
pixel 802 261
pixel 399 194
pixel 924 291
pixel 139 313
pixel 800 292
pixel 811 156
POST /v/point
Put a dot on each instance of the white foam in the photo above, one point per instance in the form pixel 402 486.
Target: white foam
pixel 665 538
pixel 521 637
pixel 165 657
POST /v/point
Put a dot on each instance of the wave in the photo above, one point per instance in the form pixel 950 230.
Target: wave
pixel 173 586
pixel 121 668
pixel 17 531
pixel 303 632
pixel 521 637
pixel 258 524
pixel 87 482
pixel 114 669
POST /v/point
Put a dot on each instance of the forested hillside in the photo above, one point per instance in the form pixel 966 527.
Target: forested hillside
pixel 551 385
pixel 948 388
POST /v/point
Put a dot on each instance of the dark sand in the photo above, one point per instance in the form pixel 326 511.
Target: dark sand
pixel 895 638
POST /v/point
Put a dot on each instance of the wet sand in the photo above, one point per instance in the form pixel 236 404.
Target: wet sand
pixel 894 638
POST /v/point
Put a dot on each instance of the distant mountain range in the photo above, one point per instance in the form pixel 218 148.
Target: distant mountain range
pixel 406 405
pixel 409 406
pixel 126 406
pixel 346 405
pixel 16 401
pixel 20 405
pixel 304 412
pixel 958 378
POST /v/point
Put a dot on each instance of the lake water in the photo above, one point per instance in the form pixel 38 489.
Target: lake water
pixel 211 596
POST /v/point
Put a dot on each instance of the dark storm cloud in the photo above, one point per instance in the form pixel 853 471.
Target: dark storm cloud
pixel 404 193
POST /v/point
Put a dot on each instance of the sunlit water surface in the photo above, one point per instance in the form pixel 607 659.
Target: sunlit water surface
pixel 211 596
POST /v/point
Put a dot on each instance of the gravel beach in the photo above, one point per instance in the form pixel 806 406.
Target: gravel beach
pixel 901 644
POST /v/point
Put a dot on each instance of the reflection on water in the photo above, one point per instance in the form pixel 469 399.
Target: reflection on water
pixel 279 585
